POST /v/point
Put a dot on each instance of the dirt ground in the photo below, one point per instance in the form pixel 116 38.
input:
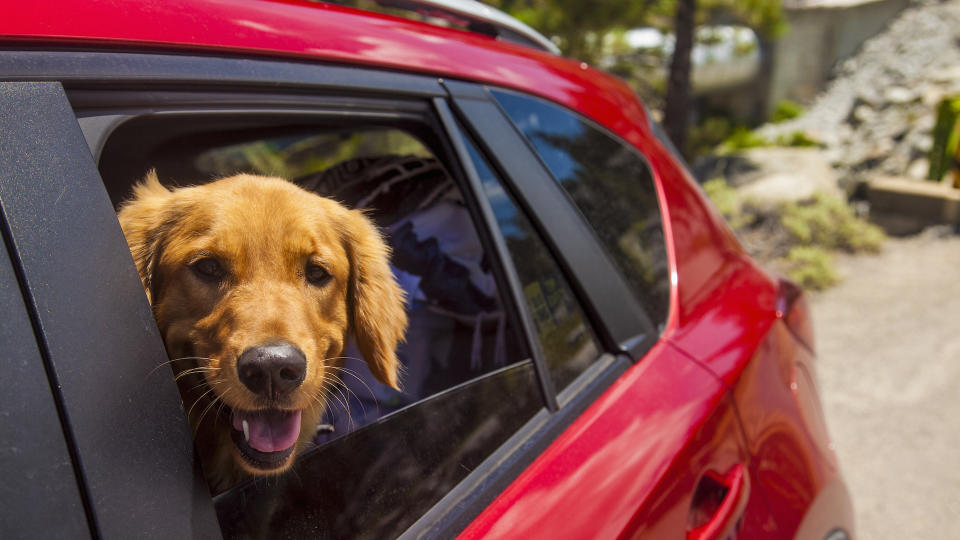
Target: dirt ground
pixel 888 340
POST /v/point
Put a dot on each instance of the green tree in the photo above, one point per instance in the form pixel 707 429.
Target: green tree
pixel 578 28
pixel 676 114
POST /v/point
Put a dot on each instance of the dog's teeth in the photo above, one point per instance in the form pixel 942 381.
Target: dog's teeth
pixel 246 431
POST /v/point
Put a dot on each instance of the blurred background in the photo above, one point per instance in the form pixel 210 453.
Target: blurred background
pixel 826 131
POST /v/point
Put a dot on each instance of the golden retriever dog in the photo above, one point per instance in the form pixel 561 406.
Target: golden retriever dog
pixel 257 285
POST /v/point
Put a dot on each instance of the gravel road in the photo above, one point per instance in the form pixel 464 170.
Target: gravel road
pixel 888 339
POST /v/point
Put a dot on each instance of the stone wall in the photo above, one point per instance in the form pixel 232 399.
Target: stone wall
pixel 820 33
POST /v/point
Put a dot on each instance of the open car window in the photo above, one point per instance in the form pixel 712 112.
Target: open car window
pixel 381 457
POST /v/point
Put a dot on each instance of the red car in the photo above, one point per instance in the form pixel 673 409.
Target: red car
pixel 592 354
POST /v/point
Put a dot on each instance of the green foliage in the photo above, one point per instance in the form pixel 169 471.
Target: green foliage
pixel 704 137
pixel 829 222
pixel 796 139
pixel 764 16
pixel 946 138
pixel 804 233
pixel 742 138
pixel 577 26
pixel 293 159
pixel 811 267
pixel 786 110
pixel 728 202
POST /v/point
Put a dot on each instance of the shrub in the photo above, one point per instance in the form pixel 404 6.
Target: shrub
pixel 742 138
pixel 811 267
pixel 828 222
pixel 786 110
pixel 798 237
pixel 727 200
pixel 796 139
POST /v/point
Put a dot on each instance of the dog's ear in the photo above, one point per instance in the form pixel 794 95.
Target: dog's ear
pixel 143 219
pixel 377 311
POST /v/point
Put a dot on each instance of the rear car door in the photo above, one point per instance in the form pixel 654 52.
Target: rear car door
pixel 660 453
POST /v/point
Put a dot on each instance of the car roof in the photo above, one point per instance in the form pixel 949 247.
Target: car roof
pixel 300 29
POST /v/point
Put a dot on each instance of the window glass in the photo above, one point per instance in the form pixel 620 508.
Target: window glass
pixel 567 340
pixel 378 480
pixel 611 184
pixel 381 457
pixel 294 156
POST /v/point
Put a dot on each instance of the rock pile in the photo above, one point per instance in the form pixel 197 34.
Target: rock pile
pixel 877 114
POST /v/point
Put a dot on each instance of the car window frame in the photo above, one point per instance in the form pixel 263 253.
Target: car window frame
pixel 38 454
pixel 623 323
pixel 79 283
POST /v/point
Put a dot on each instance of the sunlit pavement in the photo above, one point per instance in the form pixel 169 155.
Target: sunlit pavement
pixel 888 339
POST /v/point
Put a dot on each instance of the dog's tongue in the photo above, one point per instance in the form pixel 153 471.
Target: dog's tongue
pixel 269 431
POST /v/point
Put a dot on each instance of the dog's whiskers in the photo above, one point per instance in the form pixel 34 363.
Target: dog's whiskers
pixel 341 400
pixel 198 369
pixel 197 401
pixel 216 398
pixel 346 391
pixel 223 403
pixel 356 376
pixel 181 359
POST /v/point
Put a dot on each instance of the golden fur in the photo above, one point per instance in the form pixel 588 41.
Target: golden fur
pixel 263 232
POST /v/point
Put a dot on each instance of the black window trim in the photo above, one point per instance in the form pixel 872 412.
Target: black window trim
pixel 489 224
pixel 624 324
pixel 638 340
pixel 80 283
pixel 49 460
pixel 107 68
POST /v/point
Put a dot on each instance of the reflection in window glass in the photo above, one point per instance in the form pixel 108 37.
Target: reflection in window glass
pixel 297 155
pixel 566 338
pixel 612 186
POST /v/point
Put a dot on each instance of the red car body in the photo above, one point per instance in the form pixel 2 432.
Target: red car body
pixel 745 413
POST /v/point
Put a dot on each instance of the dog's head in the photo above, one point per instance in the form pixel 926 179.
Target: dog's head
pixel 256 285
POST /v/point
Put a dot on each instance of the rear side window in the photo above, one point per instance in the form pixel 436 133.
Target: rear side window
pixel 612 186
pixel 566 338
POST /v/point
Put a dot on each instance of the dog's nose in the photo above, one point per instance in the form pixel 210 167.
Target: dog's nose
pixel 272 370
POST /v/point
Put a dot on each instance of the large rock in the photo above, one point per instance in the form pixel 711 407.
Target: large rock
pixel 876 116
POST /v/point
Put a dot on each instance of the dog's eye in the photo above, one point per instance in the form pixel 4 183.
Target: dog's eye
pixel 316 274
pixel 209 268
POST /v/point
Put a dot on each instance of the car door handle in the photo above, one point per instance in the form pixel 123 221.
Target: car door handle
pixel 717 521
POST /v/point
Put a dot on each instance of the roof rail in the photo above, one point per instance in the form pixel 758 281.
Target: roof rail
pixel 475 17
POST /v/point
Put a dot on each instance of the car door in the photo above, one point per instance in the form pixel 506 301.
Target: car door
pixel 660 453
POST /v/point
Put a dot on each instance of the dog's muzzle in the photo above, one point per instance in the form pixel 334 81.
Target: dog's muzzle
pixel 267 437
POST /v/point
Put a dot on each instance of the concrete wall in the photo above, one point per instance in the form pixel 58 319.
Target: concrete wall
pixel 820 33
